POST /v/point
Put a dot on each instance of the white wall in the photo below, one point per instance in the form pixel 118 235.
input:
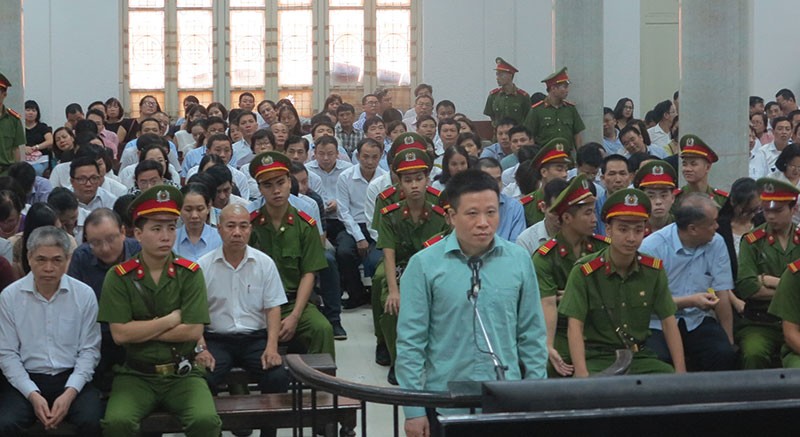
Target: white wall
pixel 72 53
pixel 775 60
pixel 621 52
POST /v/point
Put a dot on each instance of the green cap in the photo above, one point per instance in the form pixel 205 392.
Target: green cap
pixel 411 160
pixel 556 150
pixel 269 164
pixel 774 190
pixel 161 199
pixel 629 203
pixel 556 78
pixel 578 192
pixel 656 174
pixel 694 146
pixel 4 82
pixel 407 140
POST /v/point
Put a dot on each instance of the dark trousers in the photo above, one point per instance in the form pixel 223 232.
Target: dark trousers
pixel 348 258
pixel 17 412
pixel 110 354
pixel 244 350
pixel 706 348
pixel 332 229
pixel 330 290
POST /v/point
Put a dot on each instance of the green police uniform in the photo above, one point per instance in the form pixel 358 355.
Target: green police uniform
pixel 660 175
pixel 148 378
pixel 12 133
pixel 533 204
pixel 500 105
pixel 693 146
pixel 556 151
pixel 786 305
pixel 719 196
pixel 546 122
pixel 295 247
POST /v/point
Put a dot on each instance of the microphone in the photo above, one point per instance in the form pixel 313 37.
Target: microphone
pixel 475 264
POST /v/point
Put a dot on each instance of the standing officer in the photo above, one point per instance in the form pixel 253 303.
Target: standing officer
pixel 506 100
pixel 12 134
pixel 156 306
pixel 611 294
pixel 554 116
pixel 763 256
pixel 555 259
pixel 696 160
pixel 658 180
pixel 403 228
pixel 291 239
pixel 552 162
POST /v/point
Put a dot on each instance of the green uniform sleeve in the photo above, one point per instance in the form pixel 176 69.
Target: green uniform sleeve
pixel 663 305
pixel 313 254
pixel 575 302
pixel 786 302
pixel 194 298
pixel 747 278
pixel 387 237
pixel 487 109
pixel 577 125
pixel 115 306
pixel 545 275
pixel 531 122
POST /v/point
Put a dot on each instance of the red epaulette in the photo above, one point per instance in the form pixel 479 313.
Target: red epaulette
pixel 754 236
pixel 433 240
pixel 438 210
pixel 602 238
pixel 522 92
pixel 677 191
pixel 433 191
pixel 568 103
pixel 387 209
pixel 526 200
pixel 307 218
pixel 385 194
pixel 796 238
pixel 537 104
pixel 592 266
pixel 185 263
pixel 14 113
pixel 719 192
pixel 127 267
pixel 649 261
pixel 795 266
pixel 545 248
pixel 495 91
pixel 253 215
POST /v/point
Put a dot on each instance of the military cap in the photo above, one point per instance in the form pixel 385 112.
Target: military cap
pixel 4 83
pixel 502 65
pixel 269 164
pixel 628 203
pixel 693 146
pixel 773 190
pixel 161 199
pixel 655 174
pixel 577 192
pixel 407 140
pixel 411 160
pixel 556 78
pixel 556 150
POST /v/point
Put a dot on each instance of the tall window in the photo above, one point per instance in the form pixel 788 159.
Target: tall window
pixel 302 50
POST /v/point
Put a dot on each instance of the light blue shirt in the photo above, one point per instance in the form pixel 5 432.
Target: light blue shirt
pixel 436 340
pixel 494 151
pixel 48 337
pixel 600 228
pixel 613 147
pixel 690 271
pixel 512 218
pixel 209 240
pixel 191 159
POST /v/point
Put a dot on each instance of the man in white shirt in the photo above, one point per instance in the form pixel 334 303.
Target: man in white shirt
pixel 782 130
pixel 130 155
pixel 84 175
pixel 356 245
pixel 247 126
pixel 49 343
pixel 664 113
pixel 220 145
pixel 328 167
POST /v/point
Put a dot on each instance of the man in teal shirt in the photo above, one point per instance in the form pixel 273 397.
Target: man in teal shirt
pixel 436 342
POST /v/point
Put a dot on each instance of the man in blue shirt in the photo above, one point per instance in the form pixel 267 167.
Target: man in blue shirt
pixel 502 147
pixel 699 273
pixel 436 342
pixel 512 214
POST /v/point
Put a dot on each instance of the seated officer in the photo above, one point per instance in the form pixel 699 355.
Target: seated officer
pixel 696 161
pixel 156 306
pixel 786 305
pixel 658 180
pixel 554 261
pixel 402 230
pixel 763 256
pixel 49 366
pixel 611 294
pixel 552 162
pixel 291 239
pixel 244 298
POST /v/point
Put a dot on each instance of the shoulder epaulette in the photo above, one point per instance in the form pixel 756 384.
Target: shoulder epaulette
pixel 719 192
pixel 795 266
pixel 495 91
pixel 602 238
pixel 127 267
pixel 545 248
pixel 185 263
pixel 14 113
pixel 433 191
pixel 522 92
pixel 393 207
pixel 307 218
pixel 592 266
pixel 385 194
pixel 526 200
pixel 253 215
pixel 752 237
pixel 649 261
pixel 433 240
pixel 568 103
pixel 537 104
pixel 677 191
pixel 438 210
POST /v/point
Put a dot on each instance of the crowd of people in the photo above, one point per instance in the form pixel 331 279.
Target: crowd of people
pixel 204 243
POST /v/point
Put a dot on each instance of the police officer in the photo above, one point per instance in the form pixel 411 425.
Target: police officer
pixel 786 305
pixel 763 256
pixel 156 306
pixel 291 239
pixel 403 228
pixel 696 160
pixel 658 180
pixel 554 260
pixel 611 294
pixel 506 100
pixel 554 116
pixel 12 134
pixel 552 162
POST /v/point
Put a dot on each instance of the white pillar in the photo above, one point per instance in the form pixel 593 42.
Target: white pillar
pixel 715 48
pixel 579 46
pixel 11 51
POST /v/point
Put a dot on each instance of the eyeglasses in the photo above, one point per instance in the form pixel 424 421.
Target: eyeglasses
pixel 85 180
pixel 793 167
pixel 100 242
pixel 149 103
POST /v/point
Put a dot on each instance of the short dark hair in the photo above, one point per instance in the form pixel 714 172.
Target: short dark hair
pixel 755 100
pixel 325 121
pixel 221 172
pixel 786 93
pixel 368 142
pixel 787 154
pixel 629 128
pixel 62 200
pixel 218 137
pixel 505 121
pixel 24 174
pixel 345 107
pixel 10 201
pixel 296 167
pixel 614 157
pixel 774 122
pixel 98 215
pixel 82 161
pixel 676 94
pixel 122 206
pixel 589 154
pixel 294 139
pixel 246 94
pixel 423 86
pixel 96 112
pixel 553 188
pixel 366 96
pixel 445 122
pixel 147 140
pixel 447 103
pixel 488 162
pixel 661 109
pixel 147 165
pixel 325 139
pixel 469 181
pixel 371 121
pixel 73 108
pixel 519 128
pixel 244 114
pixel 31 104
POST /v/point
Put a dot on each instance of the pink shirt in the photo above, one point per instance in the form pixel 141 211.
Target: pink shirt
pixel 110 140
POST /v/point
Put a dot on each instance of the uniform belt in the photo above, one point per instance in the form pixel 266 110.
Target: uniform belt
pixel 154 369
pixel 291 295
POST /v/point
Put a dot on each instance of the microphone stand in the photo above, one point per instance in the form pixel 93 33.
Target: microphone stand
pixel 472 296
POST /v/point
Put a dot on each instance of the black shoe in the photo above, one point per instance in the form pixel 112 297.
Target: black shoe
pixel 382 356
pixel 338 332
pixel 242 432
pixel 354 302
pixel 392 380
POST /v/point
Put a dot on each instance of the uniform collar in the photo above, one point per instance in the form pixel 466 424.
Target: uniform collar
pixel 427 211
pixel 563 250
pixel 609 267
